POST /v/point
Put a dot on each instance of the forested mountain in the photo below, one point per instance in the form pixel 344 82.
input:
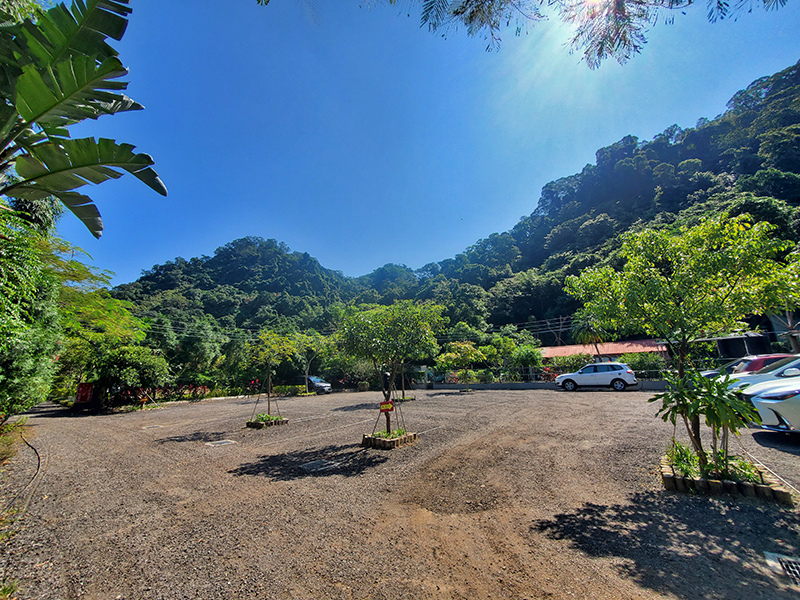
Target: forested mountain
pixel 745 160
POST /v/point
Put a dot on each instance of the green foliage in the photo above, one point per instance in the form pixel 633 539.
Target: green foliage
pixel 459 355
pixel 691 396
pixel 8 438
pixel 307 347
pixel 682 458
pixel 527 356
pixel 685 462
pixel 125 370
pixel 29 322
pixel 60 72
pixel 700 282
pixel 388 336
pixel 741 162
pixel 7 590
pixel 266 418
pixel 289 390
pixel 390 435
pixel 644 362
pixel 569 364
pixel 21 273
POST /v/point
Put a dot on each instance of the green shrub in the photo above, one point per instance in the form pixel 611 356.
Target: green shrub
pixel 395 433
pixel 363 386
pixel 485 376
pixel 289 390
pixel 8 439
pixel 683 460
pixel 266 418
pixel 466 376
pixel 568 364
pixel 649 363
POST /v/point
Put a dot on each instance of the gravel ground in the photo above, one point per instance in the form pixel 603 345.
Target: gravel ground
pixel 506 494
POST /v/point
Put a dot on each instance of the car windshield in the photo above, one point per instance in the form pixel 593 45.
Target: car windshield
pixel 729 367
pixel 316 379
pixel 778 364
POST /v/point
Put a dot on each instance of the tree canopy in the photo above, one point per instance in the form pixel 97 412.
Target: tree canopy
pixel 601 30
pixel 681 286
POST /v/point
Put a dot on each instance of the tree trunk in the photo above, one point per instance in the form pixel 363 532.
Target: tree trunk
pixel 269 390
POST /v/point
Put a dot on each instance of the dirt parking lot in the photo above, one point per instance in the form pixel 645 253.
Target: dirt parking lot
pixel 506 494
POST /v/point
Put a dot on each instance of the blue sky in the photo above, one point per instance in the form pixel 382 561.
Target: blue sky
pixel 355 135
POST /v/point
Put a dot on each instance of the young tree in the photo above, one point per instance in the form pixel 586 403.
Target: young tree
pixel 307 347
pixel 128 370
pixel 680 287
pixel 459 355
pixel 527 356
pixel 588 331
pixel 388 336
pixel 269 351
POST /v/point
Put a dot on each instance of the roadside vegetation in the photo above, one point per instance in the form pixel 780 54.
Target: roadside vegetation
pixel 256 316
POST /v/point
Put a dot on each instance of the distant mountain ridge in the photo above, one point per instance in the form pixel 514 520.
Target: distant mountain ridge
pixel 745 160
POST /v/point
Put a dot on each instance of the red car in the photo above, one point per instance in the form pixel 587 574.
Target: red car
pixel 746 364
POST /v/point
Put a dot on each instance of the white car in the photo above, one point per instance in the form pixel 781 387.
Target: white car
pixel 776 372
pixel 777 405
pixel 608 374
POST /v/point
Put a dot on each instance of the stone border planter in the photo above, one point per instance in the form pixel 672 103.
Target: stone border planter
pixel 369 441
pixel 770 489
pixel 262 424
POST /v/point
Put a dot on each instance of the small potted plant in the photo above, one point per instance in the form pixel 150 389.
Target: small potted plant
pixel 387 440
pixel 266 420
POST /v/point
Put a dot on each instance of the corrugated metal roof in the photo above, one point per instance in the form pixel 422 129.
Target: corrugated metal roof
pixel 606 349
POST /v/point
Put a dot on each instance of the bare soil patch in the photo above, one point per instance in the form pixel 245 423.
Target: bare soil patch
pixel 505 494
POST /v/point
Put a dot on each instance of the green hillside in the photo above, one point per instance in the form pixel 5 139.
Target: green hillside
pixel 745 160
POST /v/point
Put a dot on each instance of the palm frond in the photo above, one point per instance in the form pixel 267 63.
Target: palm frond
pixel 78 89
pixel 59 32
pixel 57 167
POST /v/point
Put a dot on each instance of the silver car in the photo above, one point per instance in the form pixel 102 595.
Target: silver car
pixel 777 372
pixel 608 374
pixel 778 405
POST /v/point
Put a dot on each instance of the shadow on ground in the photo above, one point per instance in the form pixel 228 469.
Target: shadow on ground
pixel 785 442
pixel 349 460
pixel 197 436
pixel 685 545
pixel 51 410
pixel 354 407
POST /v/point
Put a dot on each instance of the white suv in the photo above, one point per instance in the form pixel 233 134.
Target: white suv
pixel 610 374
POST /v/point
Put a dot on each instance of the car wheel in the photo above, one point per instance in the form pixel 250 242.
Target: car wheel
pixel 569 385
pixel 619 385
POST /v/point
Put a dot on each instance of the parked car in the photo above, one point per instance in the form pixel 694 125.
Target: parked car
pixel 315 384
pixel 746 364
pixel 610 374
pixel 777 371
pixel 777 405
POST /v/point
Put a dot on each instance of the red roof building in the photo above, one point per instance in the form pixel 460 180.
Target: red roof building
pixel 608 350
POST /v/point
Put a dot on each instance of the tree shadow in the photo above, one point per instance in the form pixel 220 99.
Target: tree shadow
pixel 197 436
pixel 788 442
pixel 689 546
pixel 355 407
pixel 349 460
pixel 49 410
